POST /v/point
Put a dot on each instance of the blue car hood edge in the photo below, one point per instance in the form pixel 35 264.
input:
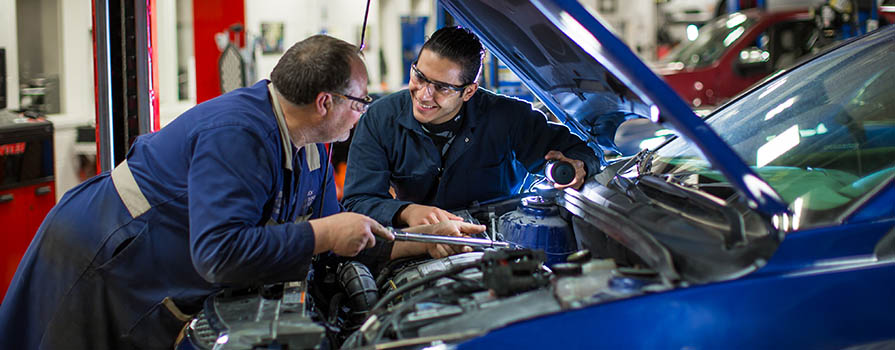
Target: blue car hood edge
pixel 611 54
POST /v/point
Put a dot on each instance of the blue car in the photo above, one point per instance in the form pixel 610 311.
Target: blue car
pixel 768 224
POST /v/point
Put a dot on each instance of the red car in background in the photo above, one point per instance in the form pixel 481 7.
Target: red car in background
pixel 887 11
pixel 734 51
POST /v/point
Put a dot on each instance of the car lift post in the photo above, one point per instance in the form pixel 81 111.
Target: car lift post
pixel 126 98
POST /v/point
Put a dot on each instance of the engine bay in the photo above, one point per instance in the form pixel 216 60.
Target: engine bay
pixel 418 302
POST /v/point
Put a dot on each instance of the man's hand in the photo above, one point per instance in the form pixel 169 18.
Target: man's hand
pixel 346 234
pixel 417 214
pixel 444 228
pixel 580 173
pixel 451 228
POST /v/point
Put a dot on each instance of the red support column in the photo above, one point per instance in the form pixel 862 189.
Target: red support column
pixel 209 18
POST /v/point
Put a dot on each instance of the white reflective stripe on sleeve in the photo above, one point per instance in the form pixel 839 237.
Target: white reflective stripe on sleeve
pixel 129 191
pixel 312 156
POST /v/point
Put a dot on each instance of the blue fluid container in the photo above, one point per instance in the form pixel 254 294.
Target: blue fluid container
pixel 536 224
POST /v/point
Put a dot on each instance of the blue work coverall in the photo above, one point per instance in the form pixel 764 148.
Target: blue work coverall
pixel 390 148
pixel 124 258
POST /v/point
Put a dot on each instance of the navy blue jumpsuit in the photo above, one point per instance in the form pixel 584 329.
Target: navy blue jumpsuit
pixel 124 258
pixel 499 134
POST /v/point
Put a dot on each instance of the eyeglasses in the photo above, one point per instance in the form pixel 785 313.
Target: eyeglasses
pixel 442 89
pixel 359 104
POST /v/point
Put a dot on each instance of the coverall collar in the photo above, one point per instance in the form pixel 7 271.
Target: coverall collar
pixel 312 156
pixel 281 123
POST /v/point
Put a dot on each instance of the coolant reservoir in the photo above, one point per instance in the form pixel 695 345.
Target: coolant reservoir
pixel 536 224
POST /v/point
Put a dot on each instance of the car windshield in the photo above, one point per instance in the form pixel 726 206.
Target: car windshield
pixel 713 38
pixel 823 136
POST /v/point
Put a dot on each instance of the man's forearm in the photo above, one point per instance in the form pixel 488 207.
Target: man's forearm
pixel 406 249
pixel 383 210
pixel 586 155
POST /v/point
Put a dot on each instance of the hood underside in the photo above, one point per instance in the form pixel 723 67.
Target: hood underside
pixel 593 82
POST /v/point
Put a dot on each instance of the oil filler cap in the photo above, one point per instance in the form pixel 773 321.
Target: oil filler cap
pixel 566 269
pixel 560 172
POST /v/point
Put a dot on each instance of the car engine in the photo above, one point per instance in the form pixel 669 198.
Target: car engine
pixel 419 302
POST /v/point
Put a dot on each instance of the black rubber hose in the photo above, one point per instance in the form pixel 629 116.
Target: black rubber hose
pixel 358 283
pixel 403 289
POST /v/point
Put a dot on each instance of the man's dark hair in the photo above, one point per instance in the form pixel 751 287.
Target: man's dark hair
pixel 458 44
pixel 317 64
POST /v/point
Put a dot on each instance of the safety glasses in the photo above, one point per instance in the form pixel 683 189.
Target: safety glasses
pixel 441 88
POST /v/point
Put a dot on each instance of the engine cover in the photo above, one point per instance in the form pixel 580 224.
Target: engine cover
pixel 255 320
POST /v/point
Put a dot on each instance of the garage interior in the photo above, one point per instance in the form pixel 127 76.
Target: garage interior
pixel 80 80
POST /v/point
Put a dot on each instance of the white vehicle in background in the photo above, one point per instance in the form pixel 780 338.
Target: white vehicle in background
pixel 689 11
pixel 677 17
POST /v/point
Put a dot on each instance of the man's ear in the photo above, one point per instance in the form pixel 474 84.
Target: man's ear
pixel 323 103
pixel 469 90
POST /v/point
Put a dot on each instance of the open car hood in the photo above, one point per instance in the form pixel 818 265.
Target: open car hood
pixel 593 82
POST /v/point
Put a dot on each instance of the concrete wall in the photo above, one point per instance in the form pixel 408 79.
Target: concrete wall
pixel 389 36
pixel 166 51
pixel 634 21
pixel 76 80
pixel 342 19
pixel 38 35
pixel 174 53
pixel 339 18
pixel 70 55
pixel 186 60
pixel 76 87
pixel 8 40
pixel 300 19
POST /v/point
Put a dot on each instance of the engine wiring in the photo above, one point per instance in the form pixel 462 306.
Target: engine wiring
pixel 503 273
pixel 386 321
pixel 380 305
pixel 445 295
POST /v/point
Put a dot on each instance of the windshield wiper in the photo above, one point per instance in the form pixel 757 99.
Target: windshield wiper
pixel 641 159
pixel 736 235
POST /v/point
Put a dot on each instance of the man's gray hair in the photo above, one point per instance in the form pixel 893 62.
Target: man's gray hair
pixel 317 64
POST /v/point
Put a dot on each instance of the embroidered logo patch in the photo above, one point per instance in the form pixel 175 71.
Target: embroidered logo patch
pixel 310 199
